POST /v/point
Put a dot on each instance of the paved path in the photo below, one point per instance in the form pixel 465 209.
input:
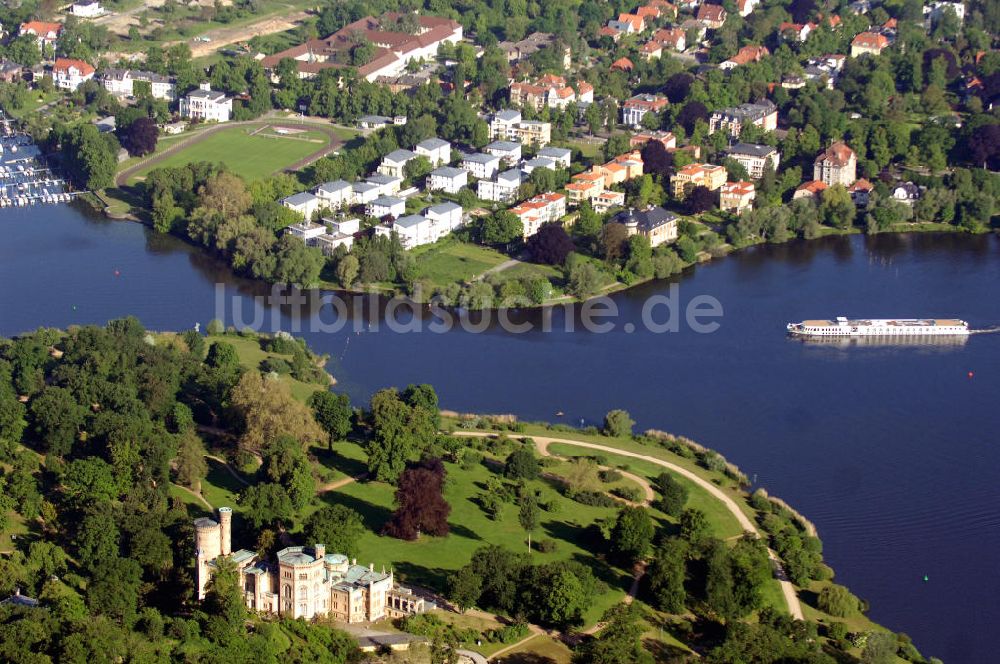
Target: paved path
pixel 787 589
pixel 225 464
pixel 196 494
pixel 122 178
pixel 336 484
pixel 498 268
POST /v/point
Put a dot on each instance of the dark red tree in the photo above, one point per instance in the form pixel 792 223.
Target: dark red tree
pixel 700 199
pixel 691 113
pixel 141 136
pixel 677 87
pixel 984 146
pixel 550 245
pixel 656 159
pixel 420 504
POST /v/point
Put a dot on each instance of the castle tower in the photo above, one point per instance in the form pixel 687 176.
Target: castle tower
pixel 207 547
pixel 226 522
pixel 320 551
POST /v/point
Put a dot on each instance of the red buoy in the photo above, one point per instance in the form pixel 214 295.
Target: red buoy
pixel 971 374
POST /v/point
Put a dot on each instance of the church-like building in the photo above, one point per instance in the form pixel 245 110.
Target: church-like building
pixel 304 582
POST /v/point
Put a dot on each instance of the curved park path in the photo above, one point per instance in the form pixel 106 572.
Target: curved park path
pixel 543 442
pixel 123 176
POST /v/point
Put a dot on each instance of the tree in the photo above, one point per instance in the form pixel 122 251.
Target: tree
pixel 57 419
pixel 632 534
pixel 501 228
pixel 225 609
pixel 417 168
pixel 420 504
pixel 397 431
pixel 113 590
pixel 550 245
pixel 424 397
pixel 614 237
pixel 694 525
pixel 838 601
pixel 584 279
pixel 521 464
pixel 268 411
pixel 880 648
pixel 700 199
pixel 332 412
pixel 673 495
pixel 837 209
pixel 618 423
pixel 619 641
pixel 336 526
pixel 667 574
pixel 140 137
pixel 347 270
pixel 527 516
pixel 191 465
pixel 465 587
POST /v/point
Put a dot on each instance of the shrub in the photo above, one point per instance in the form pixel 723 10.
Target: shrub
pixel 837 631
pixel 593 499
pixel 838 601
pixel 630 493
pixel 610 476
pixel 276 365
pixel 618 423
pixel 546 545
pixel 471 459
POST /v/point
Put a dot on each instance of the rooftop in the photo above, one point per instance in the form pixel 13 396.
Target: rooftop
pixel 752 149
pixel 433 144
pixel 447 172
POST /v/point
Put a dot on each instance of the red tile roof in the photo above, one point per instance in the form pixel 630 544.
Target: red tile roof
pixel 623 64
pixel 40 28
pixel 837 154
pixel 714 13
pixel 64 64
pixel 870 40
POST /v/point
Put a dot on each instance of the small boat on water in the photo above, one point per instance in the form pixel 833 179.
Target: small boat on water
pixel 879 327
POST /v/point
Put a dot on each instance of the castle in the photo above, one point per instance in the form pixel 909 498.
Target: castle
pixel 304 582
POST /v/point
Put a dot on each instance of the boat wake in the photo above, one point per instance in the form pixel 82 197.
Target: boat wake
pixel 986 330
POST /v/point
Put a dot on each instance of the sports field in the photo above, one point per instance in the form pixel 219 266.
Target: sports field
pixel 253 152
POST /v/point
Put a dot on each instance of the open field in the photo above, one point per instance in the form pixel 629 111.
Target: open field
pixel 539 649
pixel 450 261
pixel 244 150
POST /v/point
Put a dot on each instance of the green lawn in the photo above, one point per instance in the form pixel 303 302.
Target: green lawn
pixel 541 648
pixel 450 261
pixel 429 560
pixel 251 355
pixel 251 156
pixel 17 526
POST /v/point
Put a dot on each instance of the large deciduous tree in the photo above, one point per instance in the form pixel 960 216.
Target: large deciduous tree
pixel 333 412
pixel 550 245
pixel 336 526
pixel 420 504
pixel 268 411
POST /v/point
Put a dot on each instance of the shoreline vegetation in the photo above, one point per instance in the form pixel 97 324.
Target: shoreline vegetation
pixel 647 540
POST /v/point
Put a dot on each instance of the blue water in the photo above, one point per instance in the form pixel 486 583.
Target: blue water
pixel 889 450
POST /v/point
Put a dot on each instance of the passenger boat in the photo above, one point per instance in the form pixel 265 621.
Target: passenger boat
pixel 879 327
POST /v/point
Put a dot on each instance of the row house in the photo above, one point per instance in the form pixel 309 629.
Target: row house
pixel 754 157
pixel 304 203
pixel 437 151
pixel 386 206
pixel 562 157
pixel 509 152
pixel 550 91
pixel 763 114
pixel 503 188
pixel 336 194
pixel 585 187
pixel 447 179
pixel 388 185
pixel 697 175
pixel 636 108
pixel 542 209
pixel 339 233
pixel 736 197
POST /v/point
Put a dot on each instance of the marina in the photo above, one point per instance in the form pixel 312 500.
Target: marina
pixel 25 177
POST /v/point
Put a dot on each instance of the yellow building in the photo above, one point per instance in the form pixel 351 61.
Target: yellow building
pixel 697 175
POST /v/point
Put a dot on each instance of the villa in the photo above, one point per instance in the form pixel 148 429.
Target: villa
pixel 763 114
pixel 207 105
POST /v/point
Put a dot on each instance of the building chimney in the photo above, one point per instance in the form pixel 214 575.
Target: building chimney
pixel 371 567
pixel 226 521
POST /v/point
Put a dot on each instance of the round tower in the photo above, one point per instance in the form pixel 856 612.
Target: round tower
pixel 207 546
pixel 225 536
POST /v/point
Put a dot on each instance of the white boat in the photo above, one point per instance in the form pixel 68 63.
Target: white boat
pixel 879 327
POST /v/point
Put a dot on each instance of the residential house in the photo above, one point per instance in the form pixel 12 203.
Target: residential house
pixel 711 16
pixel 388 185
pixel 437 151
pixel 622 64
pixel 561 156
pixel 534 132
pixel 480 165
pixel 446 216
pixel 745 56
pixel 427 227
pixel 386 206
pixel 122 83
pixel 341 234
pixel 550 91
pixel 624 167
pixel 507 125
pixel 607 200
pixel 394 48
pixel 304 203
pixel 827 66
pixel 674 38
pixel 736 196
pixel 811 189
pixel 542 209
pixel 906 192
pixel 306 231
pixel 536 41
pixel 447 179
pixel 654 223
pixel 69 74
pixel 336 194
pixel 10 72
pixel 374 122
pixel 836 165
pixel 871 43
pixel 697 175
pixel 503 188
pixel 206 105
pixel 666 138
pixel 763 114
pixel 394 162
pixel 364 192
pixel 861 192
pixel 860 7
pixel 746 7
pixel 614 34
pixel 636 108
pixel 651 50
pixel 538 162
pixel 87 9
pixel 933 11
pixel 508 151
pixel 628 24
pixel 754 157
pixel 46 33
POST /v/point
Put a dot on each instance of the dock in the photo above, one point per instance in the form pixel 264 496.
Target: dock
pixel 25 178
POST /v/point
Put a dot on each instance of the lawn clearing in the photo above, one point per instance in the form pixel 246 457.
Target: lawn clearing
pixel 251 355
pixel 253 156
pixel 541 648
pixel 450 261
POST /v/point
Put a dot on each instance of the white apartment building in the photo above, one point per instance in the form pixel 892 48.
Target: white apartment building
pixel 447 179
pixel 437 150
pixel 207 105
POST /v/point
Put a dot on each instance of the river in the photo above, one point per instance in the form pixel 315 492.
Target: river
pixel 890 450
